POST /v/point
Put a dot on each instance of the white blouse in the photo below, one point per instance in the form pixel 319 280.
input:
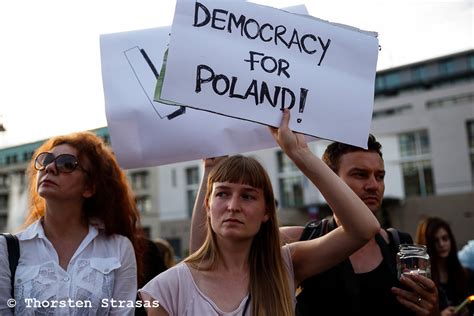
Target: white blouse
pixel 101 277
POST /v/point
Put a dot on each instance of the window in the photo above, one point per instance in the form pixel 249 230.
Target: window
pixel 3 201
pixel 415 155
pixel 418 178
pixel 290 182
pixel 450 101
pixel 471 61
pixel 446 67
pixel 392 80
pixel 140 180
pixel 176 245
pixel 470 139
pixel 380 82
pixel 192 186
pixel 4 181
pixel 419 73
pixel 173 178
pixel 399 110
pixel 3 221
pixel 143 204
pixel 285 164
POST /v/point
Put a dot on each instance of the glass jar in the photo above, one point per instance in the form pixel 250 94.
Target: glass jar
pixel 413 259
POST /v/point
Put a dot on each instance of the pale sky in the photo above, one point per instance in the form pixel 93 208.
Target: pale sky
pixel 50 75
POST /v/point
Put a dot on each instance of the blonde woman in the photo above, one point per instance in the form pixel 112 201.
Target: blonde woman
pixel 241 269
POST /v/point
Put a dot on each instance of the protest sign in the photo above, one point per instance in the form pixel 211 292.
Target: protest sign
pixel 146 133
pixel 249 61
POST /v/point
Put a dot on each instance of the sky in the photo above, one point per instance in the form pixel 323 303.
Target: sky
pixel 50 73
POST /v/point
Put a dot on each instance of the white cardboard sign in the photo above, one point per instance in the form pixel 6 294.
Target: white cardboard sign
pixel 148 133
pixel 249 61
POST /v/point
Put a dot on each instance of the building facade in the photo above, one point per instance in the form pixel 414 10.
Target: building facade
pixel 423 116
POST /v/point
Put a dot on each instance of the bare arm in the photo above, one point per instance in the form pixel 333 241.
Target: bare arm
pixel 199 218
pixel 358 224
pixel 150 301
pixel 290 234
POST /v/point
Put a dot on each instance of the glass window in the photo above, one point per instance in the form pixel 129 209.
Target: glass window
pixel 399 110
pixel 416 167
pixel 290 181
pixel 190 198
pixel 143 204
pixel 379 83
pixel 192 186
pixel 4 181
pixel 418 178
pixel 3 201
pixel 407 144
pixel 419 73
pixel 471 61
pixel 291 191
pixel 285 164
pixel 446 67
pixel 192 175
pixel 470 140
pixel 140 180
pixel 450 101
pixel 392 80
pixel 174 179
pixel 414 143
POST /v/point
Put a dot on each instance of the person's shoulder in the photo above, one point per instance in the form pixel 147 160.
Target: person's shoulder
pixel 113 238
pixel 167 279
pixel 119 243
pixel 398 237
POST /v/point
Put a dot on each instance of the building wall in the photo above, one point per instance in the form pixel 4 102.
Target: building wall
pixel 456 209
pixel 405 106
pixel 446 129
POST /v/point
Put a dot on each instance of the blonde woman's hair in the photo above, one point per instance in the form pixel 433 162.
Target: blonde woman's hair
pixel 268 286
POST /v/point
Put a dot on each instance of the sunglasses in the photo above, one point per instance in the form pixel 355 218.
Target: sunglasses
pixel 64 163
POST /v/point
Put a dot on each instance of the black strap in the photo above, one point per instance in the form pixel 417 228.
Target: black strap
pixel 315 229
pixel 395 236
pixel 390 250
pixel 13 246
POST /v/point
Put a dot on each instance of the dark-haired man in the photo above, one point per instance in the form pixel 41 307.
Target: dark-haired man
pixel 366 283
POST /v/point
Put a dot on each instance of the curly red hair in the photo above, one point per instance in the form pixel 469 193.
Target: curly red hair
pixel 113 202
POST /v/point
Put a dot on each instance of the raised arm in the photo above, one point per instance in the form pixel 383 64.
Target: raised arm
pixel 289 234
pixel 198 220
pixel 358 224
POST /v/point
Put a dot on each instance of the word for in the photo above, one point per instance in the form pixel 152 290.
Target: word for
pixel 221 20
pixel 269 64
pixel 221 85
pixel 104 303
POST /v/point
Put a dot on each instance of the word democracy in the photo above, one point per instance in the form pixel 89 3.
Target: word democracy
pixel 221 19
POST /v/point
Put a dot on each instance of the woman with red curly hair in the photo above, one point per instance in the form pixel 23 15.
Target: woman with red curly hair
pixel 77 252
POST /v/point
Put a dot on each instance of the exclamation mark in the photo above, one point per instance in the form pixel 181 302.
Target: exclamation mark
pixel 303 94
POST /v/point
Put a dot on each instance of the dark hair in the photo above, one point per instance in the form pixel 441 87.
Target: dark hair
pixel 333 153
pixel 457 278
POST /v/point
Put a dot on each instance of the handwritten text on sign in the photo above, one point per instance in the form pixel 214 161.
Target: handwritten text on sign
pixel 239 63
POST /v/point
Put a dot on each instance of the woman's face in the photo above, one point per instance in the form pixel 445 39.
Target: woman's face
pixel 442 243
pixel 236 210
pixel 53 184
